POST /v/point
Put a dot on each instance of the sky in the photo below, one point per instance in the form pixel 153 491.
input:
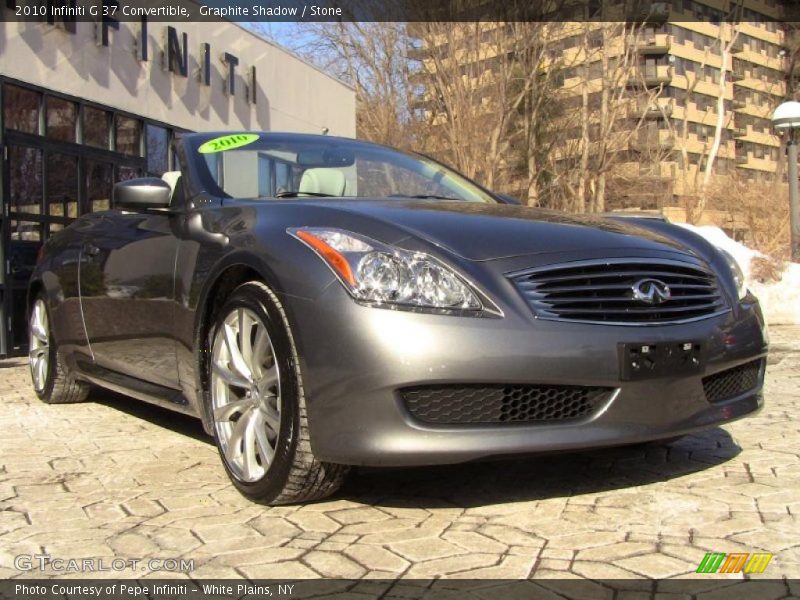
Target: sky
pixel 283 33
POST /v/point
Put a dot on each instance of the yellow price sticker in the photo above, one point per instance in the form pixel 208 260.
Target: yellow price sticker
pixel 227 142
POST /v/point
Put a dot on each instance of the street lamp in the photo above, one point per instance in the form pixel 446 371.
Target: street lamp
pixel 787 118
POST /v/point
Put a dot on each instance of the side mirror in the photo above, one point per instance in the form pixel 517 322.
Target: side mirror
pixel 143 193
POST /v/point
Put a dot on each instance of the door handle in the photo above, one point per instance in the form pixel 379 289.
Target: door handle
pixel 90 249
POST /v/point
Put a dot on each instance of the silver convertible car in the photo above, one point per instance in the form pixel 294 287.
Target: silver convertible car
pixel 323 302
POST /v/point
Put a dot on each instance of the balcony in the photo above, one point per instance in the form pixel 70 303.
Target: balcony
pixel 657 171
pixel 654 74
pixel 738 104
pixel 649 141
pixel 649 11
pixel 738 46
pixel 739 132
pixel 653 109
pixel 418 53
pixel 737 75
pixel 421 103
pixel 653 43
pixel 741 159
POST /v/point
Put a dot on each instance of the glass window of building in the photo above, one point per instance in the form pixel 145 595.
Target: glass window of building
pixel 61 175
pixel 96 127
pixel 128 136
pixel 98 185
pixel 125 173
pixel 21 109
pixel 25 179
pixel 157 150
pixel 62 117
pixel 28 231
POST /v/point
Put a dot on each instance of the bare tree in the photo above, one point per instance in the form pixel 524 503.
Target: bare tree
pixel 726 48
pixel 615 129
pixel 687 177
pixel 585 116
pixel 614 101
pixel 480 79
pixel 372 57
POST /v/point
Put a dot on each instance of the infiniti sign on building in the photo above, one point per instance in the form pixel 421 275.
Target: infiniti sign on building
pixel 86 104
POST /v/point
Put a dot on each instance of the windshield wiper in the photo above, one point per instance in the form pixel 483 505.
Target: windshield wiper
pixel 298 194
pixel 425 197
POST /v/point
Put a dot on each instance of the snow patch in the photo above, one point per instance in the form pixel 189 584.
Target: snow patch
pixel 780 300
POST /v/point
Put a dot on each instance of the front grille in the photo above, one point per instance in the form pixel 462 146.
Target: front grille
pixel 594 291
pixel 732 382
pixel 487 404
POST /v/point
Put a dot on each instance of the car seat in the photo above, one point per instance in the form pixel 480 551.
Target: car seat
pixel 173 179
pixel 322 181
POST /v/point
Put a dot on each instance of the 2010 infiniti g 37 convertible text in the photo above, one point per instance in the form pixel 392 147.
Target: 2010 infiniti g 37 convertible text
pixel 321 302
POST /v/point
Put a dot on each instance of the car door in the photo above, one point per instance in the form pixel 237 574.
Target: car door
pixel 127 295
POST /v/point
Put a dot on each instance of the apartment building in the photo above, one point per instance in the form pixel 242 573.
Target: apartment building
pixel 682 61
pixel 677 88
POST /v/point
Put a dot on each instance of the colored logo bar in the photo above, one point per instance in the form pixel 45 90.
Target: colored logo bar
pixel 735 562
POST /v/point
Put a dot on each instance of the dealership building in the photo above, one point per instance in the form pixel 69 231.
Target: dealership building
pixel 87 104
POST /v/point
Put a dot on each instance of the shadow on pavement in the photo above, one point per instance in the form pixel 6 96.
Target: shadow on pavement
pixel 540 477
pixel 13 363
pixel 168 419
pixel 475 484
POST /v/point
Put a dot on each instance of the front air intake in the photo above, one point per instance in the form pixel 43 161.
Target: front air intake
pixel 733 382
pixel 496 404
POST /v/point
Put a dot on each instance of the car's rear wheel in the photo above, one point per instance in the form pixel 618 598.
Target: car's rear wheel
pixel 52 380
pixel 257 403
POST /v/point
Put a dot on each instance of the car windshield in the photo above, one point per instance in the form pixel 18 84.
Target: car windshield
pixel 276 166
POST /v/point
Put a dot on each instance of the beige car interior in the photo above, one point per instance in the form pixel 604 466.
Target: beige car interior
pixel 330 182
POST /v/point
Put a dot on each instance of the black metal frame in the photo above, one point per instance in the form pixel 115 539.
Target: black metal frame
pixel 84 154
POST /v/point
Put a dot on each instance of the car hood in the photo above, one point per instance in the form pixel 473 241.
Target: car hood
pixel 491 231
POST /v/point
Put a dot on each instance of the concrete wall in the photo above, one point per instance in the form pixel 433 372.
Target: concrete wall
pixel 291 95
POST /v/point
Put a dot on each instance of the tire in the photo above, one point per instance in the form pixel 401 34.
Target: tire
pixel 51 378
pixel 257 406
pixel 670 440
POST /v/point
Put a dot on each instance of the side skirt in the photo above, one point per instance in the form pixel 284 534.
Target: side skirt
pixel 136 388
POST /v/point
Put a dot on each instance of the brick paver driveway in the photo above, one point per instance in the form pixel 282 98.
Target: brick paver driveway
pixel 117 478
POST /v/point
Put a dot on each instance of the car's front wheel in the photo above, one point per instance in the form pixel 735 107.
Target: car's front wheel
pixel 52 380
pixel 257 403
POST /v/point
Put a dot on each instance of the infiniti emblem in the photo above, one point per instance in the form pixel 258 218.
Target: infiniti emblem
pixel 651 291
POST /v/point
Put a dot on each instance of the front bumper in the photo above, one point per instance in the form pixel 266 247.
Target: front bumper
pixel 354 359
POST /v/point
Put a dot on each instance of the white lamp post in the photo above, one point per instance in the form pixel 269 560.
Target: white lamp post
pixel 787 118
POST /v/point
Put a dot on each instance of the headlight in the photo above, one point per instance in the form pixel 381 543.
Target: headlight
pixel 736 271
pixel 377 273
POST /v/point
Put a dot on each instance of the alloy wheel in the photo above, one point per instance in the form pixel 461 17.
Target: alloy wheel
pixel 39 344
pixel 245 394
